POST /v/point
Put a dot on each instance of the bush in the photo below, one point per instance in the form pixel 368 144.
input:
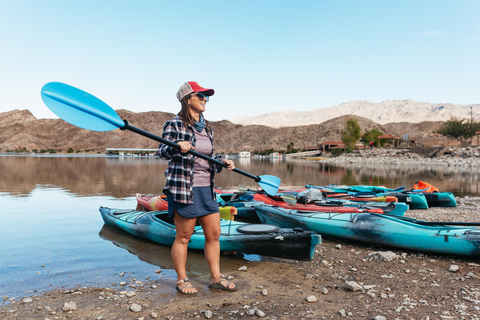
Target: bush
pixel 337 152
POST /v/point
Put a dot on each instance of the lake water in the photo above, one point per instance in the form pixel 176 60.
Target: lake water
pixel 54 237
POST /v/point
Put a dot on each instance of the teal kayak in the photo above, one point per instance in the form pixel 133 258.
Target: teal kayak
pixel 395 231
pixel 261 239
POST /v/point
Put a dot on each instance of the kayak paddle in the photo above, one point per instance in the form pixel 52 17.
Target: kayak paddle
pixel 83 110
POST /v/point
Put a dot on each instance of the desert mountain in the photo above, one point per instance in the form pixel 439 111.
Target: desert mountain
pixel 20 130
pixel 382 113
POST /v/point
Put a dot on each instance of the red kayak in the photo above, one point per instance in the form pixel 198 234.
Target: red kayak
pixel 151 202
pixel 277 201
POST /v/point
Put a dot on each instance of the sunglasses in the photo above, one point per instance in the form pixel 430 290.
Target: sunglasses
pixel 201 96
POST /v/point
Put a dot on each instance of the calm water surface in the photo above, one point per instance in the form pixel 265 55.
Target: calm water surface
pixel 53 235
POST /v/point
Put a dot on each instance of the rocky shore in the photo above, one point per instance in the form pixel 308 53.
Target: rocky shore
pixel 344 280
pixel 449 156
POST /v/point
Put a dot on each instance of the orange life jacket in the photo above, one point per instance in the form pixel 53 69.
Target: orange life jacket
pixel 421 185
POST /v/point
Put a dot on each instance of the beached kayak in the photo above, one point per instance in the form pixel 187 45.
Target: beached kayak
pixel 278 201
pixel 401 232
pixel 415 200
pixel 433 198
pixel 261 239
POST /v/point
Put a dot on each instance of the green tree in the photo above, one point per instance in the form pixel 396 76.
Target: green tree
pixel 460 130
pixel 351 134
pixel 291 149
pixel 371 135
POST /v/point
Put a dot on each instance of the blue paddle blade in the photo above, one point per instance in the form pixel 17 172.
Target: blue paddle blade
pixel 80 108
pixel 269 184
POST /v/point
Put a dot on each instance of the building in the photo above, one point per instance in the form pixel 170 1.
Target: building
pixel 244 154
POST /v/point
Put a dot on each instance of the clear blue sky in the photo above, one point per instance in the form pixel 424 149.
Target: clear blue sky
pixel 259 56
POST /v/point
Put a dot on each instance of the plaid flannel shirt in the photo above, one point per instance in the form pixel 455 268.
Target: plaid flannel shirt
pixel 179 172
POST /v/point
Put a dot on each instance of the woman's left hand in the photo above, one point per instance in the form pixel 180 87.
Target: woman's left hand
pixel 230 164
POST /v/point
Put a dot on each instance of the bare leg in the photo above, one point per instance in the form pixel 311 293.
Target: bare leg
pixel 211 227
pixel 185 228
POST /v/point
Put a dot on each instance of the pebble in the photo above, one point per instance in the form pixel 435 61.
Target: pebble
pixel 259 313
pixel 69 306
pixel 135 307
pixel 381 256
pixel 25 300
pixel 353 286
pixel 312 299
pixel 243 268
pixel 453 268
pixel 158 271
pixel 207 313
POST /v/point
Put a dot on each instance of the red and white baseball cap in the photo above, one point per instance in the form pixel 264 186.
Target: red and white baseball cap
pixel 191 87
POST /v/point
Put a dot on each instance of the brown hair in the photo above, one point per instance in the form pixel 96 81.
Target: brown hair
pixel 185 113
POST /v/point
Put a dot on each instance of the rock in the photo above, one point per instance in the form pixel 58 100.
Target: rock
pixel 453 268
pixel 207 314
pixel 353 286
pixel 25 300
pixel 312 299
pixel 379 318
pixel 69 306
pixel 135 307
pixel 342 312
pixel 381 256
pixel 243 268
pixel 158 271
pixel 259 313
pixel 338 246
pixel 264 292
pixel 250 312
pixel 154 315
pixel 121 274
pixel 324 290
pixel 131 294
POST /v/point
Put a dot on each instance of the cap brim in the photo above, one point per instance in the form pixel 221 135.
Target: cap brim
pixel 207 92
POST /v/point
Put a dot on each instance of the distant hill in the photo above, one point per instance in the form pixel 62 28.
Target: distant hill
pixel 382 113
pixel 19 129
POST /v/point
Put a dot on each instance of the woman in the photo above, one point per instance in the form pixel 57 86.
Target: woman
pixel 189 186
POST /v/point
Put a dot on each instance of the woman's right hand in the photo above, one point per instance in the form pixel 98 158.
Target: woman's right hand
pixel 185 146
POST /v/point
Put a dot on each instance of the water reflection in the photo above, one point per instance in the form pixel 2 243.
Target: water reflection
pixel 124 176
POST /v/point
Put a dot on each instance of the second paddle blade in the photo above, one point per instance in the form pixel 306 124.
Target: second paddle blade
pixel 270 184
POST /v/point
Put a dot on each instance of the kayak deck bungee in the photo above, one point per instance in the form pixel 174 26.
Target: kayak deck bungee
pixel 400 232
pixel 261 239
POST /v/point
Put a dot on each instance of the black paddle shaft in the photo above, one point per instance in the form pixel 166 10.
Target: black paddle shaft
pixel 174 145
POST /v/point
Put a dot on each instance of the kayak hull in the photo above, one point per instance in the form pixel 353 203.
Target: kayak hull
pixel 387 230
pixel 270 241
